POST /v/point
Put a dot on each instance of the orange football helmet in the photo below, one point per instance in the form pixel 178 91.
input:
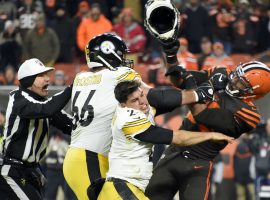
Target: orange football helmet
pixel 249 80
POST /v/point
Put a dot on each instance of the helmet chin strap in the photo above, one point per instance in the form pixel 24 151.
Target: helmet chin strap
pixel 105 62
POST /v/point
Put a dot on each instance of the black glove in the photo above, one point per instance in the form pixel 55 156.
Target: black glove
pixel 177 71
pixel 205 92
pixel 219 79
pixel 188 81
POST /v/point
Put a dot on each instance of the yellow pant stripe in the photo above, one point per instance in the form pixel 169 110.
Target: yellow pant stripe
pixel 76 170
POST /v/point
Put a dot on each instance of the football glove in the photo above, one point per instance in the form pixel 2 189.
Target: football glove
pixel 205 92
pixel 219 79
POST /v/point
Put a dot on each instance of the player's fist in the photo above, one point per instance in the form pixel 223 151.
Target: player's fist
pixel 219 81
pixel 205 92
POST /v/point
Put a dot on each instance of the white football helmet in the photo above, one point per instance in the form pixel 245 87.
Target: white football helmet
pixel 162 20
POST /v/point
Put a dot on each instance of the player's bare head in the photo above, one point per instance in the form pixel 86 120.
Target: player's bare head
pixel 129 94
pixel 123 89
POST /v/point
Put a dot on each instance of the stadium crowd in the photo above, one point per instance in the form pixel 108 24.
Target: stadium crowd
pixel 213 32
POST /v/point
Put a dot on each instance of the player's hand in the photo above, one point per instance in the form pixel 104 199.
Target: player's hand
pixel 177 71
pixel 221 137
pixel 205 92
pixel 219 81
pixel 185 78
pixel 219 78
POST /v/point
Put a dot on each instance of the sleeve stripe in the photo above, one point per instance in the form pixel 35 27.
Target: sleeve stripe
pixel 247 116
pixel 128 76
pixel 251 112
pixel 246 121
pixel 137 122
pixel 136 129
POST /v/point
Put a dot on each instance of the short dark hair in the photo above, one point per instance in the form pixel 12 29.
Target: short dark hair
pixel 123 89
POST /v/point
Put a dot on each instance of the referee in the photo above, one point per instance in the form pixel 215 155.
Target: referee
pixel 28 116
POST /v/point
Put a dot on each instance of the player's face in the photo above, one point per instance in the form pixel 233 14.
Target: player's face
pixel 137 100
pixel 238 84
pixel 41 83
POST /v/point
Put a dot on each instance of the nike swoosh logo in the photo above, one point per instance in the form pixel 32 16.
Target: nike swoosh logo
pixel 220 78
pixel 198 166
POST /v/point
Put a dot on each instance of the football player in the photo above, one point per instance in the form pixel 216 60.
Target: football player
pixel 93 105
pixel 134 133
pixel 188 169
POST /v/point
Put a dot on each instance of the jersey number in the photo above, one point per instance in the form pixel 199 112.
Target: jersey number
pixel 83 119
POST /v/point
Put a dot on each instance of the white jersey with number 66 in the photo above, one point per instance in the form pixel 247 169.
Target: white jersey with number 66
pixel 93 105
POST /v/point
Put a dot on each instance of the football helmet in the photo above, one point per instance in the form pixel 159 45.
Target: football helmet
pixel 249 80
pixel 107 50
pixel 162 20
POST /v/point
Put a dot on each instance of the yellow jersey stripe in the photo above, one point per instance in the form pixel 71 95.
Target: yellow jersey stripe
pixel 129 76
pixel 135 129
pixel 136 122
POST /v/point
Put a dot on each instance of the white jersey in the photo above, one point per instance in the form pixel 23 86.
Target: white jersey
pixel 129 158
pixel 93 105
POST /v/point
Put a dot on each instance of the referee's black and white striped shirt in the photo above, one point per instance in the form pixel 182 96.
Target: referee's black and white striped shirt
pixel 27 121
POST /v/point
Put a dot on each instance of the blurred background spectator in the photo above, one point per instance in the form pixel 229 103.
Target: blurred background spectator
pixel 91 26
pixel 8 11
pixel 186 58
pixel 59 78
pixel 195 24
pixel 27 15
pixel 83 11
pixel 63 27
pixel 42 43
pixel 260 145
pixel 218 58
pixel 206 50
pixel 9 77
pixel 244 170
pixel 10 46
pixel 131 32
pixel 57 148
pixel 221 25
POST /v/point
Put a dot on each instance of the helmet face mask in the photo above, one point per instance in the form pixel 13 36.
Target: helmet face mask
pixel 107 50
pixel 237 85
pixel 249 80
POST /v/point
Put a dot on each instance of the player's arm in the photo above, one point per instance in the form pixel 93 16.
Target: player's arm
pixel 28 107
pixel 167 99
pixel 140 128
pixel 159 135
pixel 218 76
pixel 62 121
pixel 228 122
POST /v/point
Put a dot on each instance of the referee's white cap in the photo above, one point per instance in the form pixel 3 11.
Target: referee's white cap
pixel 32 67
